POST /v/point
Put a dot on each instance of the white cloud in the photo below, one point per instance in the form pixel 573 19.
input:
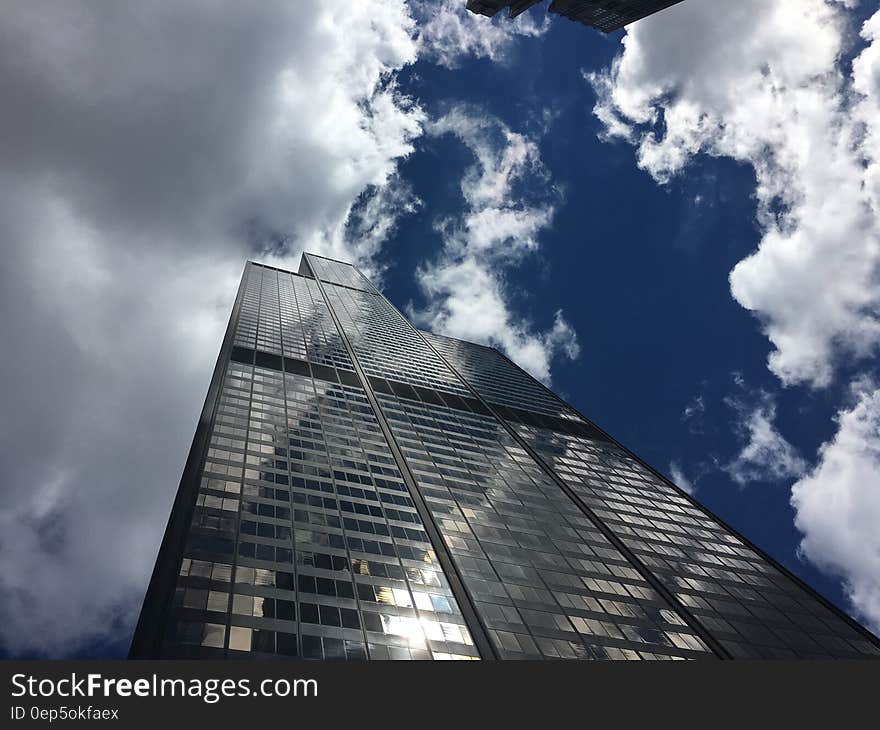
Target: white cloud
pixel 766 455
pixel 148 150
pixel 695 408
pixel 679 478
pixel 113 351
pixel 448 32
pixel 359 238
pixel 509 199
pixel 838 504
pixel 693 414
pixel 762 82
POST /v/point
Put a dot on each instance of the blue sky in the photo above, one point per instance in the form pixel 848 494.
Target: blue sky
pixel 640 270
pixel 578 200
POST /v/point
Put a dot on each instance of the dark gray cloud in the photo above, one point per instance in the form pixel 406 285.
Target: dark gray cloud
pixel 148 149
pixel 143 147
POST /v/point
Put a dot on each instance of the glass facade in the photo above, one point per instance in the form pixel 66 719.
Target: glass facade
pixel 606 15
pixel 496 379
pixel 358 489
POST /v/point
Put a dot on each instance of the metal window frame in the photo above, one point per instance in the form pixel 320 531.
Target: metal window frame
pixel 825 602
pixel 477 628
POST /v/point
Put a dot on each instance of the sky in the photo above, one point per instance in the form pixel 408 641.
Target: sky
pixel 675 226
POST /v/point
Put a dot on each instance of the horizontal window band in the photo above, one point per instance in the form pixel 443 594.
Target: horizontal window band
pixel 293 366
pixel 430 396
pixel 552 423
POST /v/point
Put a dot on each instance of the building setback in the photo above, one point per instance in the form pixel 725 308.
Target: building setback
pixel 606 15
pixel 357 488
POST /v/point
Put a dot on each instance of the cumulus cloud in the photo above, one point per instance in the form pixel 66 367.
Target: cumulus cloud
pixel 448 32
pixel 767 83
pixel 360 237
pixel 763 82
pixel 838 504
pixel 766 456
pixel 148 150
pixel 509 198
pixel 113 351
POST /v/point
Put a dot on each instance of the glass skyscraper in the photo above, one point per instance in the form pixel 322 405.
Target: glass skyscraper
pixel 606 15
pixel 359 489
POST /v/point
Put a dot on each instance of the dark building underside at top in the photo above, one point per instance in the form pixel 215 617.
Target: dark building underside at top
pixel 605 15
pixel 360 489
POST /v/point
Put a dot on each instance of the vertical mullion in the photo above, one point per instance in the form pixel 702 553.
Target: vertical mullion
pixel 247 440
pixel 478 631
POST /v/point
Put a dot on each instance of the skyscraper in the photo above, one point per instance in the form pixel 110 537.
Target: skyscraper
pixel 606 15
pixel 359 489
